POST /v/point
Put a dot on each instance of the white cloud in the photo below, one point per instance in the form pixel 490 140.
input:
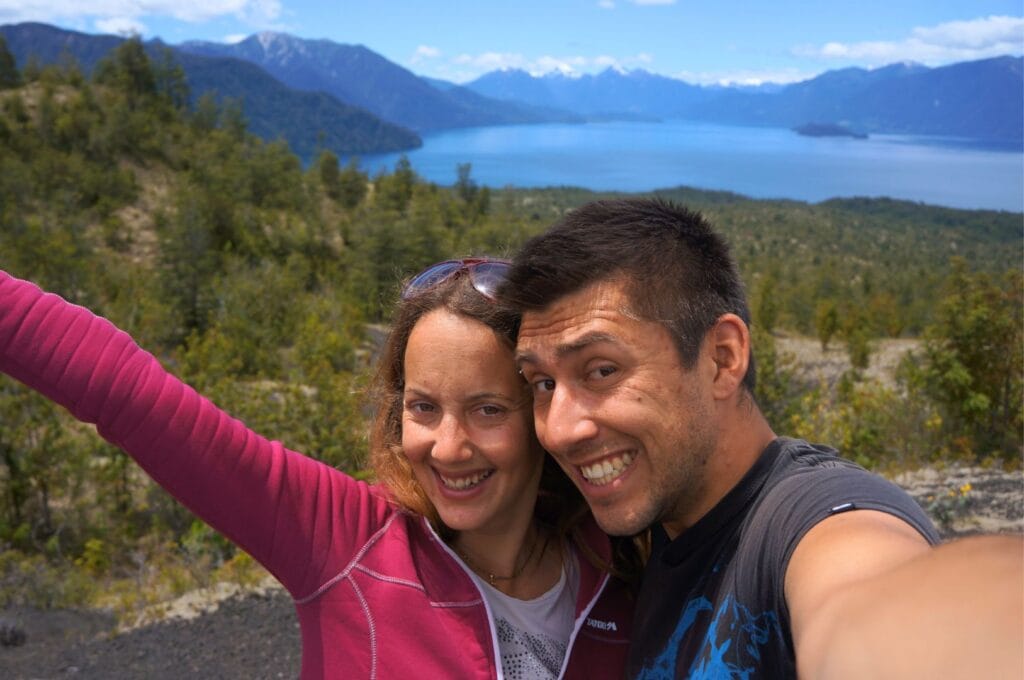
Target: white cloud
pixel 490 61
pixel 120 26
pixel 745 77
pixel 260 12
pixel 234 38
pixel 953 41
pixel 424 53
pixel 606 4
pixel 566 65
pixel 653 2
pixel 252 11
pixel 469 66
pixel 976 34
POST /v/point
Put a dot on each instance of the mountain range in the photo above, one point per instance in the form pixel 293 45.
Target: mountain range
pixel 361 77
pixel 980 99
pixel 347 98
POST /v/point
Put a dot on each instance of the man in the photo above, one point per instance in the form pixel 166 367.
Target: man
pixel 770 556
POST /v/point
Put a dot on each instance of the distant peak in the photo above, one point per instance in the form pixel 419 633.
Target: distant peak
pixel 268 38
pixel 907 65
pixel 558 71
pixel 277 45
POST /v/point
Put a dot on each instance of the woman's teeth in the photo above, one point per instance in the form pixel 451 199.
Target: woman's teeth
pixel 606 471
pixel 463 483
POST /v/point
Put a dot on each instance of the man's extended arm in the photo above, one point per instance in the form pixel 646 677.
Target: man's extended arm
pixel 869 598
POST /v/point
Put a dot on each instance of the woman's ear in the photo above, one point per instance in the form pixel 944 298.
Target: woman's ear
pixel 729 344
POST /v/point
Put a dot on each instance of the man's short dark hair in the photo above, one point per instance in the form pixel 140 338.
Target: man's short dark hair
pixel 677 270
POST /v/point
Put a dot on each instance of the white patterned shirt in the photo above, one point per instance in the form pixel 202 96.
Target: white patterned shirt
pixel 533 635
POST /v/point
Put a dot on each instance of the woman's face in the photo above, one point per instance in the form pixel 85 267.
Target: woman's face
pixel 467 425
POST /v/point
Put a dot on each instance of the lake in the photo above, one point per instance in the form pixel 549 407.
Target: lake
pixel 756 162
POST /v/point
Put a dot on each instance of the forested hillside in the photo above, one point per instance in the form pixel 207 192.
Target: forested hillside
pixel 308 119
pixel 256 280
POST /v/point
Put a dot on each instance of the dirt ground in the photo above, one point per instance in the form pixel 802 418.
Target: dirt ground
pixel 250 636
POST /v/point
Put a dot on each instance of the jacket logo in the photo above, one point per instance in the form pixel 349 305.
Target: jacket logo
pixel 602 625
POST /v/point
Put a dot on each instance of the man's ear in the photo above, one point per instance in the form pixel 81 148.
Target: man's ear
pixel 729 344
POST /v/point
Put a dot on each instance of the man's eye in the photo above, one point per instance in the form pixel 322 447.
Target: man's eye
pixel 602 371
pixel 491 410
pixel 543 385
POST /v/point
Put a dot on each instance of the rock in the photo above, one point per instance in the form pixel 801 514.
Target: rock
pixel 11 634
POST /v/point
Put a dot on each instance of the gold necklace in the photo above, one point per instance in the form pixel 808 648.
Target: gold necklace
pixel 491 577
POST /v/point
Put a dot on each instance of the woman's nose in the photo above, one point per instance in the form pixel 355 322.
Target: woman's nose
pixel 452 443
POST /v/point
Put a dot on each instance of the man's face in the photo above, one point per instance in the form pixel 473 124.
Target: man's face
pixel 616 408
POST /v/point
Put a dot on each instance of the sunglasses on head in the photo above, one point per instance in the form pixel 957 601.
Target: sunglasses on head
pixel 485 275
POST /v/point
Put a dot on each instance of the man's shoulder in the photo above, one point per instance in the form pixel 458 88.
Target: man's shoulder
pixel 799 454
pixel 797 463
pixel 809 482
pixel 818 473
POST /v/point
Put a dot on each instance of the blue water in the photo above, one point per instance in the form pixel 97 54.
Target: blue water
pixel 756 162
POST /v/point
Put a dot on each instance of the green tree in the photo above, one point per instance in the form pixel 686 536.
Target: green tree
pixel 766 313
pixel 128 70
pixel 886 315
pixel 465 186
pixel 55 254
pixel 205 114
pixel 169 80
pixel 826 321
pixel 190 259
pixel 36 456
pixel 777 391
pixel 394 191
pixel 274 175
pixel 32 69
pixel 232 119
pixel 973 360
pixel 857 335
pixel 330 173
pixel 353 185
pixel 9 76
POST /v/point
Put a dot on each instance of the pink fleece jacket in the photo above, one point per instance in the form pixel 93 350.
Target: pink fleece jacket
pixel 377 593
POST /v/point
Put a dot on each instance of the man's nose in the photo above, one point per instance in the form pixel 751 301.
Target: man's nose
pixel 565 422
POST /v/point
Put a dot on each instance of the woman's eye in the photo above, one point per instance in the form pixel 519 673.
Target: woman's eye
pixel 419 407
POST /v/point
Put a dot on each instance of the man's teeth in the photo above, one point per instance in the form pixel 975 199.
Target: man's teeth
pixel 606 471
pixel 462 483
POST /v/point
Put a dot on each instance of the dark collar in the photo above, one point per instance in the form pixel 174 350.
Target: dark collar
pixel 732 504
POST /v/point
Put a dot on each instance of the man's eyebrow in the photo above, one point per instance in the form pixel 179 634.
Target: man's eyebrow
pixel 566 349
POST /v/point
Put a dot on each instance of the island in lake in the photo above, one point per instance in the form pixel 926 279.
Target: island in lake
pixel 828 130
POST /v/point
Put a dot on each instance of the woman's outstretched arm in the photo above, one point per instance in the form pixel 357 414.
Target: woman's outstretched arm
pixel 296 516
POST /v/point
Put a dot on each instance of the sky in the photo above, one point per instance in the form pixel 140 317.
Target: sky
pixel 699 41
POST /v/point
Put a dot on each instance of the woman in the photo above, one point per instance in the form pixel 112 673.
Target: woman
pixel 473 558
